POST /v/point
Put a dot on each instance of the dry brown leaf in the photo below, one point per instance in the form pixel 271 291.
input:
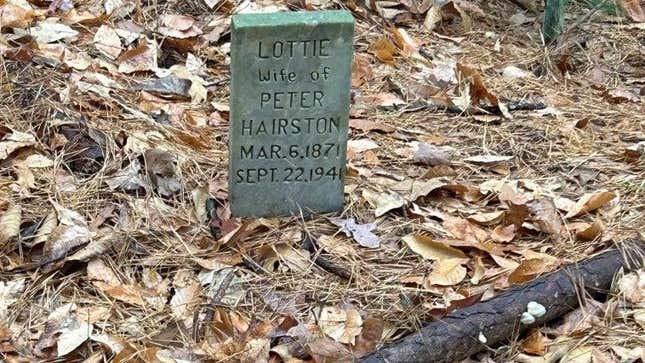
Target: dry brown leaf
pixel 535 343
pixel 141 58
pixel 586 231
pixel 10 223
pixel 98 271
pixel 369 337
pixel 184 302
pixel 160 167
pixel 447 272
pixel 581 354
pixel 590 202
pixel 629 355
pixel 73 333
pixel 478 89
pixel 431 155
pixel 487 218
pixel 408 45
pixel 545 216
pixel 369 125
pixel 342 325
pixel 503 234
pixel 15 141
pixel 255 350
pixel 633 8
pixel 505 263
pixel 384 50
pixel 464 230
pixel 46 228
pixel 63 239
pixel 325 350
pixel 421 188
pixel 429 249
pixel 107 41
pixel 130 294
pixel 383 202
pixel 478 270
pixel 14 16
pixel 433 18
pixel 529 269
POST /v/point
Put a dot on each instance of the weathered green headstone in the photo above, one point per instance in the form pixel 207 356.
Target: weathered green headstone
pixel 290 83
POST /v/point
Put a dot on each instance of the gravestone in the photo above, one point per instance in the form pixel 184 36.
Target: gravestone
pixel 290 83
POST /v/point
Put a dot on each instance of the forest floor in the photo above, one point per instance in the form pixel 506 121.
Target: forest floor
pixel 479 158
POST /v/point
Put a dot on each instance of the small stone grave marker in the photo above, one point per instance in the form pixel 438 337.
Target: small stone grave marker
pixel 290 83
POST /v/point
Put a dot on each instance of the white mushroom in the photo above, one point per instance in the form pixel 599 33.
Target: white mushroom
pixel 482 338
pixel 527 318
pixel 536 309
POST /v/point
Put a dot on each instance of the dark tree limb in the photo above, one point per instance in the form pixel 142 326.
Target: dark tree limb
pixel 456 336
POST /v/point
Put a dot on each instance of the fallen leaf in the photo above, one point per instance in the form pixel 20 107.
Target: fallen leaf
pixel 369 337
pixel 503 234
pixel 368 125
pixel 478 89
pixel 176 21
pixel 487 160
pixel 10 223
pixel 634 9
pixel 447 272
pixel 421 188
pixel 535 343
pixel 141 58
pixel 431 155
pixel 49 32
pixel 15 141
pixel 629 355
pixel 160 167
pixel 384 50
pixel 429 249
pixel 9 293
pixel 545 216
pixel 15 16
pixel 255 350
pixel 512 72
pixel 128 178
pixel 384 202
pixel 168 85
pixel 433 17
pixel 107 41
pixel 590 202
pixel 529 269
pixel 71 232
pixel 326 350
pixel 581 354
pixel 462 229
pixel 586 231
pixel 360 145
pixel 362 233
pixel 73 333
pixel 184 302
pixel 342 325
pixel 487 218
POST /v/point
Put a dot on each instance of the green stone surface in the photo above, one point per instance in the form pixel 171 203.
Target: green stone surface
pixel 290 84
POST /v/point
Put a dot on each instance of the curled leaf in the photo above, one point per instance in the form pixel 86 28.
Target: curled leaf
pixel 430 249
pixel 447 272
pixel 10 223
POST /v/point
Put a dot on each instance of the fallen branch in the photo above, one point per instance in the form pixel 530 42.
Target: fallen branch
pixel 470 330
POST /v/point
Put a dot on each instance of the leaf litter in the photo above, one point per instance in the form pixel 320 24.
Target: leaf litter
pixel 114 218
